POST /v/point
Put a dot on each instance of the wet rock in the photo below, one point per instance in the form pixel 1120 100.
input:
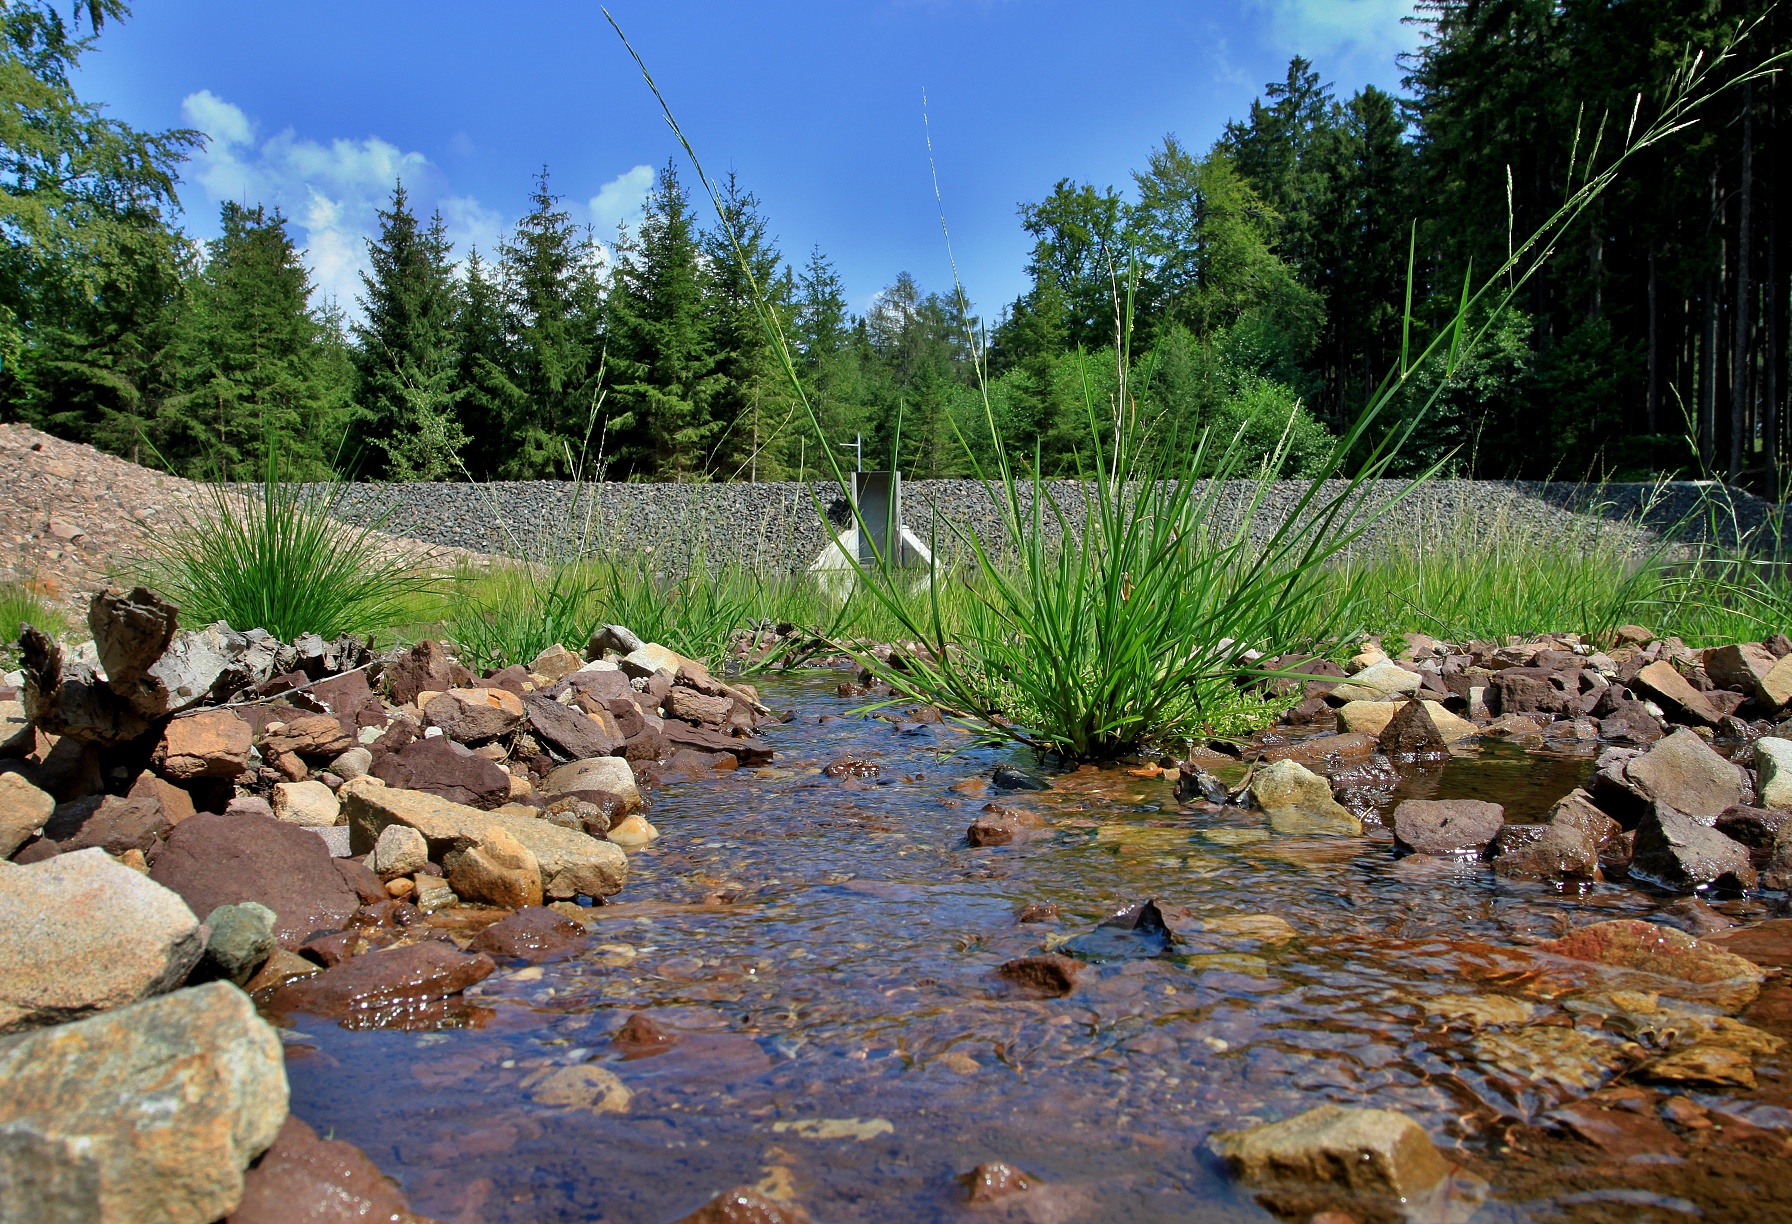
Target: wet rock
pixel 1620 1134
pixel 1647 947
pixel 210 744
pixel 1194 783
pixel 1681 771
pixel 851 767
pixel 499 871
pixel 1755 828
pixel 473 715
pixel 303 1177
pixel 1365 1151
pixel 1324 750
pixel 632 832
pixel 305 803
pixel 595 779
pixel 1545 852
pixel 994 1179
pixel 241 940
pixel 439 766
pixel 572 732
pixel 1051 974
pixel 82 933
pixel 534 933
pixel 746 750
pixel 149 1113
pixel 399 850
pixel 23 811
pixel 579 1087
pixel 1299 801
pixel 1377 682
pixel 1446 826
pixel 1512 726
pixel 744 1205
pixel 1577 810
pixel 1037 911
pixel 1778 871
pixel 1667 686
pixel 641 1036
pixel 383 979
pixel 281 966
pixel 1006 777
pixel 1412 733
pixel 1773 772
pixel 1693 916
pixel 1136 932
pixel 222 860
pixel 1676 851
pixel 572 863
pixel 997 825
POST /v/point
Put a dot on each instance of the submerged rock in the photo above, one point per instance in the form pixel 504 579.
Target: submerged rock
pixel 388 978
pixel 1446 826
pixel 1134 933
pixel 1645 947
pixel 1050 974
pixel 994 1179
pixel 304 1177
pixel 149 1113
pixel 744 1205
pixel 1372 1151
pixel 532 934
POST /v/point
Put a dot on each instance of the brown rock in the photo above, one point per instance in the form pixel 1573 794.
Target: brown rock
pixel 308 735
pixel 1755 828
pixel 1630 943
pixel 1412 733
pixel 281 967
pixel 350 699
pixel 426 668
pixel 1577 810
pixel 532 934
pixel 641 1036
pixel 1050 974
pixel 694 707
pixel 744 1205
pixel 1679 852
pixel 994 1179
pixel 1619 1133
pixel 388 978
pixel 221 860
pixel 748 751
pixel 1741 667
pixel 997 825
pixel 1660 681
pixel 303 1177
pixel 1775 689
pixel 360 879
pixel 1325 750
pixel 1767 944
pixel 473 715
pixel 1682 772
pixel 1630 723
pixel 1632 635
pixel 497 871
pixel 1513 726
pixel 1372 1151
pixel 1545 852
pixel 175 802
pixel 439 766
pixel 210 744
pixel 112 824
pixel 24 810
pixel 571 732
pixel 1446 826
pixel 69 699
pixel 1529 690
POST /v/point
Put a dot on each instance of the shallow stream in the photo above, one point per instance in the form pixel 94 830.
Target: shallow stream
pixel 827 948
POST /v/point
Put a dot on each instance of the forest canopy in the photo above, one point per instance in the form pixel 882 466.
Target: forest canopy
pixel 1265 277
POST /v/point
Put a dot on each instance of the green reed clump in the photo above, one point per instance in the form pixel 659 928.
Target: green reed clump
pixel 19 605
pixel 277 558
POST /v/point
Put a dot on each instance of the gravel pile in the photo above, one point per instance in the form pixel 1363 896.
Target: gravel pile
pixel 779 526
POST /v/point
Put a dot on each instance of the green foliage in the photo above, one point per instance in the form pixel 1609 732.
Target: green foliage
pixel 405 359
pixel 510 613
pixel 19 606
pixel 1452 410
pixel 276 558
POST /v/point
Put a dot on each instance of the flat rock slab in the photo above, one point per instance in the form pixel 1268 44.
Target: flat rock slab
pixel 221 860
pixel 391 977
pixel 303 1177
pixel 1447 826
pixel 572 863
pixel 82 933
pixel 1701 970
pixel 533 934
pixel 147 1114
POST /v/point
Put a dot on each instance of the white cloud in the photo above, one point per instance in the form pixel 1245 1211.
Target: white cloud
pixel 619 201
pixel 1341 29
pixel 330 192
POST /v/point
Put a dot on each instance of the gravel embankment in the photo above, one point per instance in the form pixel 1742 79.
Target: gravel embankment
pixel 777 526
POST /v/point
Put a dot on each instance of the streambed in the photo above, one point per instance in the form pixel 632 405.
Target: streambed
pixel 824 950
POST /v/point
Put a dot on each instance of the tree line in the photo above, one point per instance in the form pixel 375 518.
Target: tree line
pixel 1258 286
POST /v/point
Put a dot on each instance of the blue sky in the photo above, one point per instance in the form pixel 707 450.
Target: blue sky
pixel 817 104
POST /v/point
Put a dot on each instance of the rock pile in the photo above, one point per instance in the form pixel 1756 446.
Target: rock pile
pixel 362 836
pixel 1691 788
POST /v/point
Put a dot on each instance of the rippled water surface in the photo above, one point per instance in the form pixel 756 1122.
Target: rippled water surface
pixel 827 946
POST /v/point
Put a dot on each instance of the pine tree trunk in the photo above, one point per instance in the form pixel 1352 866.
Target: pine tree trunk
pixel 1739 380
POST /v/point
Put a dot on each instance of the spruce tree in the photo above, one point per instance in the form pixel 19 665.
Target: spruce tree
pixel 752 408
pixel 485 355
pixel 405 364
pixel 664 380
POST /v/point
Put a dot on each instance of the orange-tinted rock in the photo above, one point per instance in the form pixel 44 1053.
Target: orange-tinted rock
pixel 1662 682
pixel 642 1036
pixel 994 1179
pixel 998 825
pixel 308 735
pixel 470 715
pixel 1619 1133
pixel 425 668
pixel 176 803
pixel 391 977
pixel 1630 943
pixel 1050 974
pixel 210 744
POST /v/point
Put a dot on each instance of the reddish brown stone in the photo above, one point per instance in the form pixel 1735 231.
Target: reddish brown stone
pixel 175 802
pixel 744 1205
pixel 997 825
pixel 571 732
pixel 221 860
pixel 746 751
pixel 1446 826
pixel 532 934
pixel 210 744
pixel 1037 911
pixel 1620 1134
pixel 309 735
pixel 113 824
pixel 357 876
pixel 1768 944
pixel 391 977
pixel 994 1179
pixel 1660 681
pixel 303 1177
pixel 1050 974
pixel 426 668
pixel 641 1036
pixel 439 766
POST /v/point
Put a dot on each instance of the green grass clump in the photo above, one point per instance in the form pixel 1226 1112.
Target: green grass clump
pixel 19 605
pixel 277 559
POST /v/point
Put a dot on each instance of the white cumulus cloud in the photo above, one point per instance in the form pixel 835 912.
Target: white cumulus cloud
pixel 1341 29
pixel 619 201
pixel 330 191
